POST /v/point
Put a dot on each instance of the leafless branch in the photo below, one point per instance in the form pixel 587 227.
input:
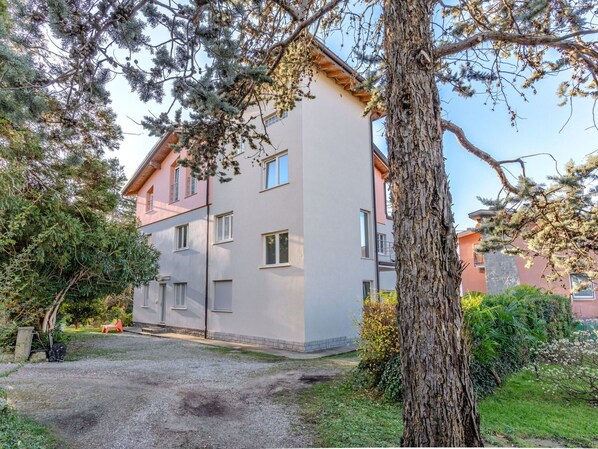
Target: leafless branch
pixel 496 165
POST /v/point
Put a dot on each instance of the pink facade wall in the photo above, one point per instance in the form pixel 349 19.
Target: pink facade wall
pixel 380 195
pixel 161 181
pixel 534 275
pixel 473 278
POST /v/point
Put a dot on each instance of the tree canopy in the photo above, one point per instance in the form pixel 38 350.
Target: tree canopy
pixel 221 59
pixel 64 229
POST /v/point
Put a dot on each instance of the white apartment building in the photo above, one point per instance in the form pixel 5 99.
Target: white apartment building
pixel 284 254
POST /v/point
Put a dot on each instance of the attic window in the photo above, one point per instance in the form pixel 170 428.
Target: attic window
pixel 274 118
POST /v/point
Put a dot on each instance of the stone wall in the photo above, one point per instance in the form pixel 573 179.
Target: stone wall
pixel 501 272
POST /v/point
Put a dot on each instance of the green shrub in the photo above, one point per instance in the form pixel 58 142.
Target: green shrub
pixel 379 336
pixel 8 338
pixel 503 330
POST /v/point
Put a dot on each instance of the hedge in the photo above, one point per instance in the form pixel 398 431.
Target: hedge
pixel 502 329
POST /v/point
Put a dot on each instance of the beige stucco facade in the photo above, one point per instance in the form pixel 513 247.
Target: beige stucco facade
pixel 310 302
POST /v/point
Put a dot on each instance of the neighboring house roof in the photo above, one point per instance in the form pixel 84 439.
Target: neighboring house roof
pixel 481 213
pixel 326 61
pixel 380 161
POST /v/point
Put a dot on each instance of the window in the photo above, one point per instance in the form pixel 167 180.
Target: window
pixel 148 239
pixel 180 295
pixel 581 286
pixel 240 148
pixel 174 186
pixel 223 296
pixel 145 295
pixel 274 118
pixel 277 248
pixel 191 184
pixel 381 243
pixel 367 289
pixel 388 200
pixel 276 171
pixel 364 221
pixel 149 199
pixel 181 236
pixel 478 257
pixel 224 228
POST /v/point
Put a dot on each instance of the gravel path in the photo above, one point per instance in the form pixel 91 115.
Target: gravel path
pixel 130 391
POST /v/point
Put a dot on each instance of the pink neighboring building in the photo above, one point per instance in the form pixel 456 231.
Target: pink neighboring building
pixel 494 272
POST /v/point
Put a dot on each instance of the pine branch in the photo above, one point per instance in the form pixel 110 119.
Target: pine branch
pixel 562 42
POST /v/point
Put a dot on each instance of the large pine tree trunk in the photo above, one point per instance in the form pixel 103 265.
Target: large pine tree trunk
pixel 439 405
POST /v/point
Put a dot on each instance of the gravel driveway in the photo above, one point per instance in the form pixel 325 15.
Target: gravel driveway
pixel 131 391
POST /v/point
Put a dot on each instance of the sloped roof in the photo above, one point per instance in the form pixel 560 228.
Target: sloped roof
pixel 150 164
pixel 325 60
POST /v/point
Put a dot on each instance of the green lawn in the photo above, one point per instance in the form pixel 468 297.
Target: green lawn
pixel 17 431
pixel 520 414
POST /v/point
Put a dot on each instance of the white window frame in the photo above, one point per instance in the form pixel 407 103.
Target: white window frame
pixel 149 200
pixel 370 285
pixel 177 231
pixel 145 292
pixel 240 147
pixel 174 194
pixel 368 238
pixel 180 299
pixel 277 262
pixel 274 118
pixel 192 183
pixel 381 243
pixel 276 160
pixel 576 295
pixel 221 220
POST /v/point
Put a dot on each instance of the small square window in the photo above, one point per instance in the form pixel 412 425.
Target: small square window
pixel 181 236
pixel 224 228
pixel 180 295
pixel 582 287
pixel 277 248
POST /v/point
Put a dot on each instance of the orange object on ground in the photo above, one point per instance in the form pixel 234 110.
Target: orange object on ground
pixel 118 326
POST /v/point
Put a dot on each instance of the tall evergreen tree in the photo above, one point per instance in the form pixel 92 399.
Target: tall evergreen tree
pixel 221 57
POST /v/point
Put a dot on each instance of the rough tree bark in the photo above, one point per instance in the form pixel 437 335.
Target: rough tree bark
pixel 439 404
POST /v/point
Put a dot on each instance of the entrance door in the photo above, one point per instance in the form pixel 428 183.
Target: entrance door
pixel 162 303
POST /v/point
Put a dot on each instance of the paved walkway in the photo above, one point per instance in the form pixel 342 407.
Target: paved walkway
pixel 247 347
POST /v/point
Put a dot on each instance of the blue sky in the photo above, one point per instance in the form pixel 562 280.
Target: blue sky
pixel 538 131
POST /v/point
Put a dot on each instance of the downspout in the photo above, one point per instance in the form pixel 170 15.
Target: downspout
pixel 377 267
pixel 205 311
